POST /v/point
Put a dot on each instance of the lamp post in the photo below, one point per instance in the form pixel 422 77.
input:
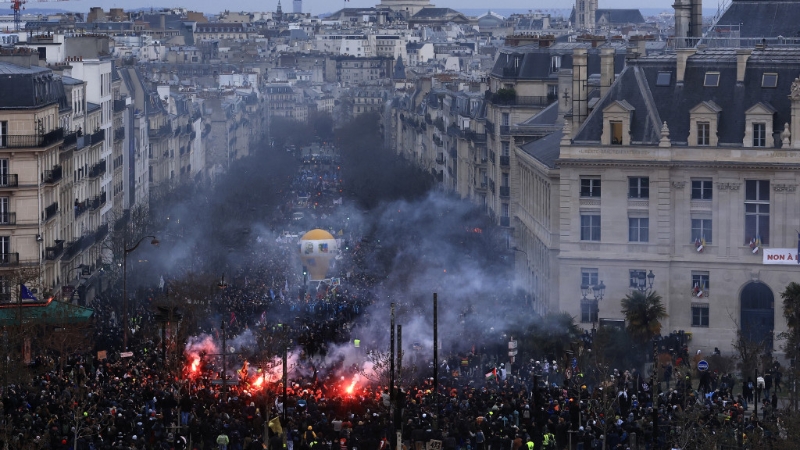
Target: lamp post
pixel 125 251
pixel 644 283
pixel 598 291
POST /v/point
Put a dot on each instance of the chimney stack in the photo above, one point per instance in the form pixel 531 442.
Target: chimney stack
pixel 606 69
pixel 683 13
pixel 742 55
pixel 696 21
pixel 579 88
pixel 682 56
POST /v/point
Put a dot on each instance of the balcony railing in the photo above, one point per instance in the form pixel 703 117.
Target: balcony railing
pixel 31 141
pixel 9 259
pixel 489 126
pixel 102 199
pixel 98 169
pixel 162 132
pixel 73 248
pixel 71 138
pixel 94 203
pixel 119 134
pixel 52 253
pixel 101 232
pixel 505 160
pixel 81 207
pixel 9 180
pixel 52 176
pixel 97 136
pixel 505 221
pixel 522 100
pixel 505 191
pixel 50 211
pixel 119 106
pixel 8 218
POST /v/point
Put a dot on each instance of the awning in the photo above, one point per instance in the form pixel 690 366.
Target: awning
pixel 51 312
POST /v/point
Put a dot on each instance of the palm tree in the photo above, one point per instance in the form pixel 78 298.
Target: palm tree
pixel 791 311
pixel 643 313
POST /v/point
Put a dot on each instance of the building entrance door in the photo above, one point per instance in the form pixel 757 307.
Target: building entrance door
pixel 758 314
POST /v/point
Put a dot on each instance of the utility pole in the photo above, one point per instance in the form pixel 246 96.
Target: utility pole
pixel 436 359
pixel 391 370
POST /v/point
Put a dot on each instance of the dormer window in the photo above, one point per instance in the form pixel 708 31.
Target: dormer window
pixel 555 63
pixel 703 120
pixel 759 135
pixel 664 78
pixel 617 119
pixel 711 79
pixel 769 80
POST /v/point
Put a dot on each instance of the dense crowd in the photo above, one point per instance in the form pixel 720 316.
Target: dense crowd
pixel 478 403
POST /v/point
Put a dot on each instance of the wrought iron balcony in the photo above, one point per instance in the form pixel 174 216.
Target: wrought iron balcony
pixel 31 141
pixel 50 211
pixel 158 133
pixel 8 218
pixel 119 106
pixel 101 232
pixel 9 259
pixel 52 253
pixel 102 198
pixel 98 169
pixel 81 207
pixel 52 176
pixel 9 180
pixel 94 203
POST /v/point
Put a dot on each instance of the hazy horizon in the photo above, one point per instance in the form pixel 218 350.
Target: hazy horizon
pixel 324 6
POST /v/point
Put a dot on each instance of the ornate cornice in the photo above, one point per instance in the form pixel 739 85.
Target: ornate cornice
pixel 726 186
pixel 784 187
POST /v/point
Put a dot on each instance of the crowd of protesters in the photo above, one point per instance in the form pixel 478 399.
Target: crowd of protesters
pixel 130 398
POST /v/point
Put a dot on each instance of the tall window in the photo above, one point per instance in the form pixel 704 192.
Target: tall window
pixel 703 133
pixel 700 315
pixel 589 311
pixel 5 249
pixel 701 281
pixel 555 63
pixel 504 210
pixel 589 276
pixel 616 132
pixel 4 215
pixel 638 187
pixel 505 119
pixel 3 133
pixel 701 230
pixel 638 229
pixel 506 148
pixel 756 211
pixel 590 187
pixel 759 135
pixel 590 227
pixel 701 189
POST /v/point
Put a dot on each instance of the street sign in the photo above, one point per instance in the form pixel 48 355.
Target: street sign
pixel 702 366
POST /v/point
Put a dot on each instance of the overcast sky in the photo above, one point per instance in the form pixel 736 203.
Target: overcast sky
pixel 322 6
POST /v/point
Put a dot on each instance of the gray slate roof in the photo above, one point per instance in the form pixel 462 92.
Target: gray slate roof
pixel 761 18
pixel 655 104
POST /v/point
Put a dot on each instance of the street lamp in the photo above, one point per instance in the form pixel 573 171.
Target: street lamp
pixel 598 291
pixel 125 251
pixel 644 283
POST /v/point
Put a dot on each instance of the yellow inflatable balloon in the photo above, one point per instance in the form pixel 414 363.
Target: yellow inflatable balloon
pixel 317 250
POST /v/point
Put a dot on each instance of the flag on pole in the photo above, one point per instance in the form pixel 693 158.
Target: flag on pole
pixel 275 425
pixel 25 293
pixel 492 375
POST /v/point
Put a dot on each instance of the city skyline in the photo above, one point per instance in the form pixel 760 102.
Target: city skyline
pixel 324 6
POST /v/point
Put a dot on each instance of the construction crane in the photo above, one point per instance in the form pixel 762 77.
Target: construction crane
pixel 18 5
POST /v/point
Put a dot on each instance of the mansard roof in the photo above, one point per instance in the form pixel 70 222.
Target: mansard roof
pixel 674 102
